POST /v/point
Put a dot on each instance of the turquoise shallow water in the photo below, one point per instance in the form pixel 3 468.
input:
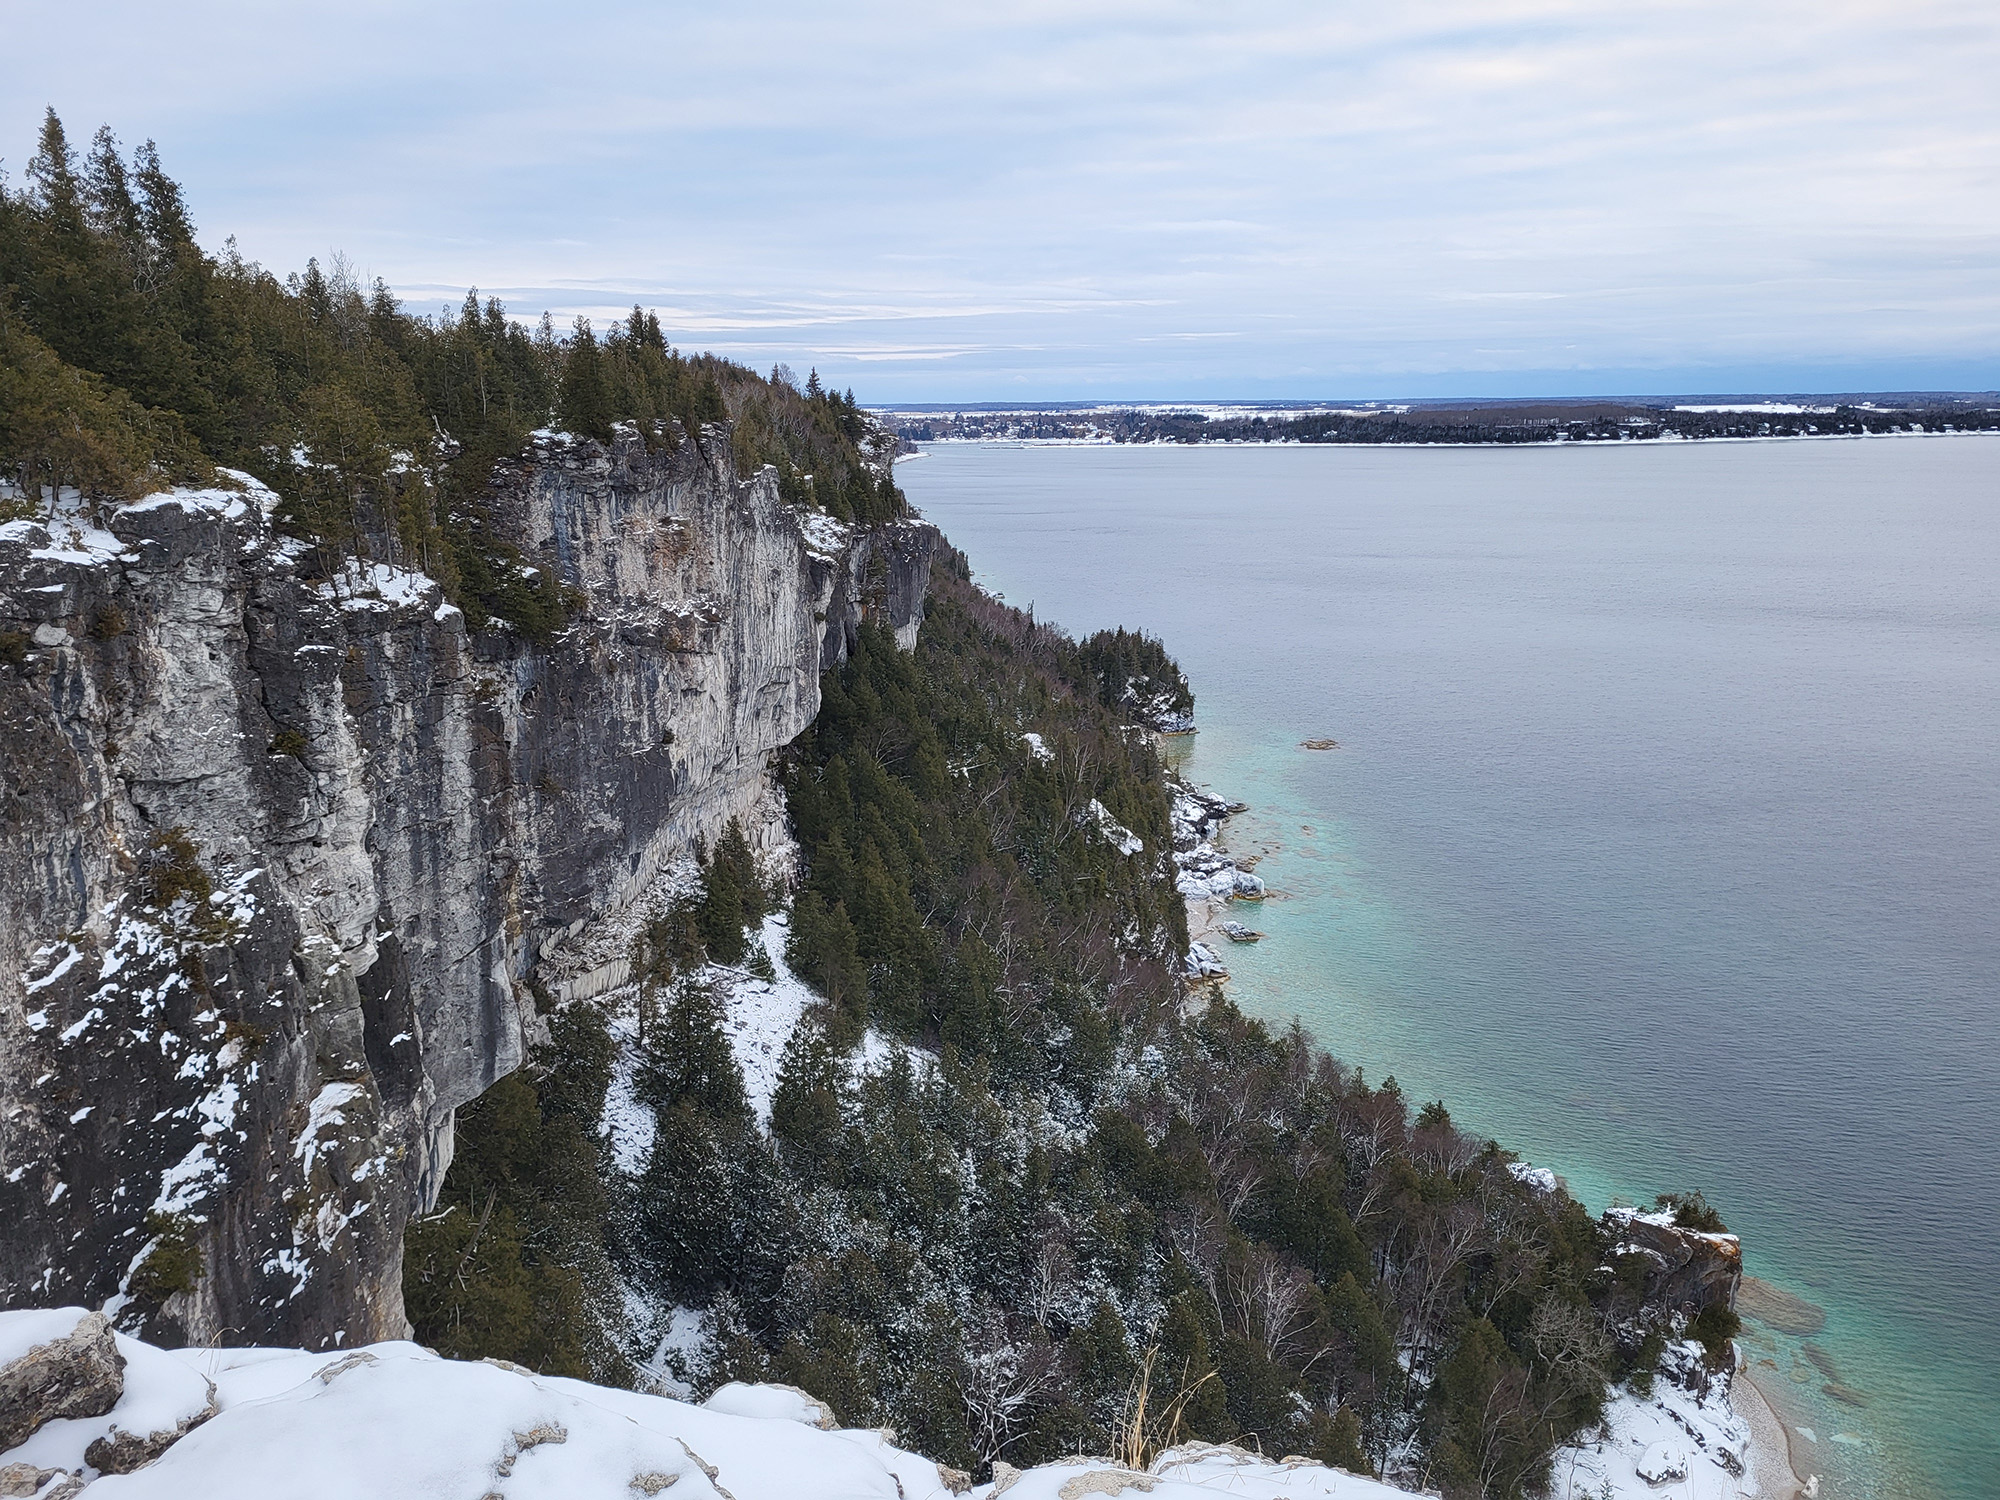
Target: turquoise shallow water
pixel 1662 842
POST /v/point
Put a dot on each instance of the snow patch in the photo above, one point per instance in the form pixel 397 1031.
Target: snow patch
pixel 825 537
pixel 1541 1179
pixel 379 586
pixel 1113 832
pixel 1684 1434
pixel 325 1112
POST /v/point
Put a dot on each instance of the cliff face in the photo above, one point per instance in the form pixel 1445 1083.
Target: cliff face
pixel 279 858
pixel 1684 1269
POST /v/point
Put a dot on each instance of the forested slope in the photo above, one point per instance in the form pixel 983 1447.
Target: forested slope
pixel 1075 1212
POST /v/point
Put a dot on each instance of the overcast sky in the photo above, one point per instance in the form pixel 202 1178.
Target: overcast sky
pixel 1076 200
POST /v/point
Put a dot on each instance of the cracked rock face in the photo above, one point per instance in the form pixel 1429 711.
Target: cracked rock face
pixel 278 857
pixel 78 1373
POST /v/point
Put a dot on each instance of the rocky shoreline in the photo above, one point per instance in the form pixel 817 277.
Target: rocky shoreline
pixel 1645 1441
pixel 1207 878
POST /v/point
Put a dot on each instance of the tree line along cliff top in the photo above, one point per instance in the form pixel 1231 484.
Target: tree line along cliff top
pixel 131 358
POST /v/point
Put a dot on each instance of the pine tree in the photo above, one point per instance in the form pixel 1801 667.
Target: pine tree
pixel 969 1017
pixel 165 212
pixel 1189 1373
pixel 689 1228
pixel 108 191
pixel 585 401
pixel 52 178
pixel 806 1106
pixel 688 1060
pixel 821 949
pixel 1338 1443
pixel 690 1217
pixel 722 911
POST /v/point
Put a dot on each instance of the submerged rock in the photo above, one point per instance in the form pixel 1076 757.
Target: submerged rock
pixel 1777 1308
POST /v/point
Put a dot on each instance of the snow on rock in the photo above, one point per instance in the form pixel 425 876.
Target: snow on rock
pixel 1192 1471
pixel 1684 1434
pixel 325 1112
pixel 1541 1179
pixel 1039 748
pixel 231 503
pixel 1196 813
pixel 379 586
pixel 70 533
pixel 161 1398
pixel 1208 1467
pixel 824 535
pixel 393 1420
pixel 773 1403
pixel 68 539
pixel 1113 832
pixel 29 1329
pixel 1203 962
pixel 1664 1462
pixel 1205 872
pixel 1155 707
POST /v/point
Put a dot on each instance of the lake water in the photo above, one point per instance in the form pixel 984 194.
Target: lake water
pixel 1662 840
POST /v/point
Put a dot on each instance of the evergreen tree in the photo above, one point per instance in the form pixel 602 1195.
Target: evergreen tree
pixel 585 401
pixel 691 1194
pixel 806 1107
pixel 688 1060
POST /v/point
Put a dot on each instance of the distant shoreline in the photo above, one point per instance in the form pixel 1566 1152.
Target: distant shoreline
pixel 1655 440
pixel 1465 424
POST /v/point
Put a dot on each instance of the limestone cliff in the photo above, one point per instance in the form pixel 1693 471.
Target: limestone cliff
pixel 280 852
pixel 1683 1269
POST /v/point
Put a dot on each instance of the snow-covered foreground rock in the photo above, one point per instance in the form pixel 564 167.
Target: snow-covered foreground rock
pixel 394 1420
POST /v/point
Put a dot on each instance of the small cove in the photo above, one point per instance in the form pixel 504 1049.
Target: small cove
pixel 1661 838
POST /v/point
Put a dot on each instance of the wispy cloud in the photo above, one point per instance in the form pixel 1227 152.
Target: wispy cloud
pixel 1160 198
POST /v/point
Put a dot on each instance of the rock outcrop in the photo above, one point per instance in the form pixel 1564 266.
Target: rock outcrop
pixel 1685 1269
pixel 281 852
pixel 69 1367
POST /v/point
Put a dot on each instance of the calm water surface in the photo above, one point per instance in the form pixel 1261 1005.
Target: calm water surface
pixel 1662 842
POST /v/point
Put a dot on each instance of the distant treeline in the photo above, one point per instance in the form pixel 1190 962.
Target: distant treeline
pixel 1525 423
